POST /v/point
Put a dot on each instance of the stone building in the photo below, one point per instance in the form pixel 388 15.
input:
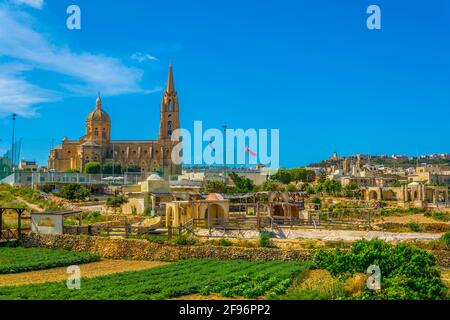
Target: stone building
pixel 415 194
pixel 97 146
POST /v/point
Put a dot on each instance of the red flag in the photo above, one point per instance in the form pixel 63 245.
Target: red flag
pixel 250 152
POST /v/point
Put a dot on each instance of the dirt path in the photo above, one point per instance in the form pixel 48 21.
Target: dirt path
pixel 32 206
pixel 89 270
pixel 353 235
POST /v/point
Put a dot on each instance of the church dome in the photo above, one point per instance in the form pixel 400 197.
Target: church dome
pixel 98 114
pixel 214 197
pixel 154 177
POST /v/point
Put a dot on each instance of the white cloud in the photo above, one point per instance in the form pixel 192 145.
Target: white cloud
pixel 37 4
pixel 19 96
pixel 86 73
pixel 141 57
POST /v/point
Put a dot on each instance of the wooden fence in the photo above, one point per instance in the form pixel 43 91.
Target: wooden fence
pixel 109 231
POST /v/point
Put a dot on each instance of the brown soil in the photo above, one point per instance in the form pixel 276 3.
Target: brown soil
pixel 89 270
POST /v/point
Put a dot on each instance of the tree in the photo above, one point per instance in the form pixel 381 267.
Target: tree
pixel 351 190
pixel 74 191
pixel 116 201
pixel 302 175
pixel 133 168
pixel 291 188
pixel 107 168
pixel 93 167
pixel 242 184
pixel 330 187
pixel 72 171
pixel 282 175
pixel 270 185
pixel 308 188
pixel 215 187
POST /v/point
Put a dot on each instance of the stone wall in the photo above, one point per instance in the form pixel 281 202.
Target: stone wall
pixel 145 250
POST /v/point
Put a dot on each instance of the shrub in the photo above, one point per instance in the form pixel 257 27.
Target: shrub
pixel 442 216
pixel 446 239
pixel 74 191
pixel 116 201
pixel 264 240
pixel 224 242
pixel 414 226
pixel 184 240
pixel 407 272
pixel 93 167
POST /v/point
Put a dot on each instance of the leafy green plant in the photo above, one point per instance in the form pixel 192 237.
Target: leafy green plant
pixel 74 191
pixel 439 215
pixel 265 240
pixel 184 240
pixel 233 278
pixel 15 260
pixel 414 226
pixel 116 201
pixel 446 239
pixel 407 272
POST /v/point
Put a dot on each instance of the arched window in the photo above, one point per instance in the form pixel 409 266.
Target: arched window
pixel 170 105
pixel 96 132
pixel 169 129
pixel 104 133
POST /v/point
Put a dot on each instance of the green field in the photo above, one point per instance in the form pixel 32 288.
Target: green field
pixel 237 278
pixel 15 260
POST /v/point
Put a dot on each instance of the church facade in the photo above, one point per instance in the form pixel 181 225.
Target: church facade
pixel 97 146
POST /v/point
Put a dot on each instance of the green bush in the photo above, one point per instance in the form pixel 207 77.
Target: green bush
pixel 407 272
pixel 225 242
pixel 414 226
pixel 442 216
pixel 264 240
pixel 93 167
pixel 74 191
pixel 446 239
pixel 184 240
pixel 116 201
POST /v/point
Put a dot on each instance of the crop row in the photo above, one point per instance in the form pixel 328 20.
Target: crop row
pixel 250 279
pixel 15 260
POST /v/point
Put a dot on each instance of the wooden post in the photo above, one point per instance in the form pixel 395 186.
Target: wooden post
pixel 258 221
pixel 19 221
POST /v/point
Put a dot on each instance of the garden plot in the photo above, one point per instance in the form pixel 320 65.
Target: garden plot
pixel 16 260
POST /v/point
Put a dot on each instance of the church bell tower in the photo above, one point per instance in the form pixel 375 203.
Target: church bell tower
pixel 169 110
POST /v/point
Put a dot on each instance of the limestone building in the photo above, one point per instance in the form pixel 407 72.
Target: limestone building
pixel 97 146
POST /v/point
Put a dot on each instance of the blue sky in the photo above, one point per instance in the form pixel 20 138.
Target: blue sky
pixel 309 68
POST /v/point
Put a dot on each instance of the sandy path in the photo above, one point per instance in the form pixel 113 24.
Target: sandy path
pixel 353 235
pixel 89 270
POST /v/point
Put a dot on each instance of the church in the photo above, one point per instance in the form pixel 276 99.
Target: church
pixel 97 146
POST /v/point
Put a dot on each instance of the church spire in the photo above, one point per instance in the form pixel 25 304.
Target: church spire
pixel 98 103
pixel 170 87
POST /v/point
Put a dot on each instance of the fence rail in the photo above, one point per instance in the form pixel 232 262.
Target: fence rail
pixel 109 231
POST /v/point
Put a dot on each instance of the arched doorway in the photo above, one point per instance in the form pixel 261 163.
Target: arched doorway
pixel 278 210
pixel 214 213
pixel 373 195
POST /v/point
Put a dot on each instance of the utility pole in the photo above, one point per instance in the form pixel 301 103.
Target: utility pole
pixel 12 144
pixel 225 153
